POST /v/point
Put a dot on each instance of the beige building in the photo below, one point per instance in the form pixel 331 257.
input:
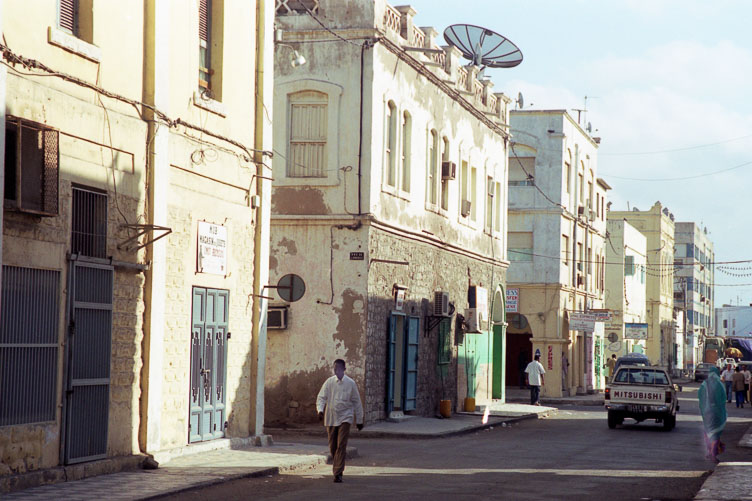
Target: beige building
pixel 135 229
pixel 389 209
pixel 626 283
pixel 557 230
pixel 657 224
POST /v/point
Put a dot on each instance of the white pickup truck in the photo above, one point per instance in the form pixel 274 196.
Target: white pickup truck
pixel 641 393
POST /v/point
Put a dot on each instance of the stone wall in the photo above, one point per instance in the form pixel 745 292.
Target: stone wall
pixel 430 268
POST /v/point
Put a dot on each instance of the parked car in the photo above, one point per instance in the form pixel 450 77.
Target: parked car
pixel 640 393
pixel 702 371
pixel 632 359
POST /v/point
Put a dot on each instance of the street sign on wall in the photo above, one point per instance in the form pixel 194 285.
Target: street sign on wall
pixel 513 298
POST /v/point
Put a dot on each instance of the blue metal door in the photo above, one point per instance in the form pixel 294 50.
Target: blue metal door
pixel 390 348
pixel 88 347
pixel 411 364
pixel 208 364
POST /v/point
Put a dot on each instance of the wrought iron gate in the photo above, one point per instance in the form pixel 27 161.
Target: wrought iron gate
pixel 208 368
pixel 88 349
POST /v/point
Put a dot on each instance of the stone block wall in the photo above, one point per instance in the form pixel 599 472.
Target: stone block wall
pixel 430 268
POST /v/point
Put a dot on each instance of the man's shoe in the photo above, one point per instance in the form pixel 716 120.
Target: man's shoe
pixel 337 479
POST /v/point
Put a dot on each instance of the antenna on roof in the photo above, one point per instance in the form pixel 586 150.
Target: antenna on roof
pixel 520 102
pixel 482 46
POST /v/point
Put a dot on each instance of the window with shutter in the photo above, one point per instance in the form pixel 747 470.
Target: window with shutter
pixel 520 245
pixel 308 134
pixel 67 15
pixel 204 44
pixel 32 162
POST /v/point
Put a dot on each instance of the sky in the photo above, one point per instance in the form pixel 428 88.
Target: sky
pixel 668 90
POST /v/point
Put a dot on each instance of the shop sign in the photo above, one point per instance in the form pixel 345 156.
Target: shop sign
pixel 212 248
pixel 635 331
pixel 513 298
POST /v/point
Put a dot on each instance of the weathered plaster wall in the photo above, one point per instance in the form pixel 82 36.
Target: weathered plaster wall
pixel 327 323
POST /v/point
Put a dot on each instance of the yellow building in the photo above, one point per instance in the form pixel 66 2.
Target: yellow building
pixel 657 224
pixel 135 228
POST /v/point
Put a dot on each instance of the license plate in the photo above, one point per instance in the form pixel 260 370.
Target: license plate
pixel 637 408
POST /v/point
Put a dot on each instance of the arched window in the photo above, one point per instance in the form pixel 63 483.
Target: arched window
pixel 406 138
pixel 433 160
pixel 390 155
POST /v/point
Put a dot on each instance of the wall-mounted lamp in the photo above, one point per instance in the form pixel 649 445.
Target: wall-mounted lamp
pixel 296 58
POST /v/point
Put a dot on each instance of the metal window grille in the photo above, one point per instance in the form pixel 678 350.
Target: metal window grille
pixel 32 162
pixel 68 15
pixel 284 7
pixel 89 226
pixel 28 345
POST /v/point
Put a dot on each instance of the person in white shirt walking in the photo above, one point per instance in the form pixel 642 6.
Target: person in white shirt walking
pixel 534 374
pixel 726 376
pixel 747 378
pixel 339 406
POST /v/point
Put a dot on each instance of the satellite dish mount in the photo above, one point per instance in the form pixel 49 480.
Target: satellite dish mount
pixel 483 47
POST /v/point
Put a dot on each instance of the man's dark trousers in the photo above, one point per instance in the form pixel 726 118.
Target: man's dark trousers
pixel 534 394
pixel 338 436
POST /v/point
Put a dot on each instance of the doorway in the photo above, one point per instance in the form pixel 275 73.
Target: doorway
pixel 402 363
pixel 208 364
pixel 519 354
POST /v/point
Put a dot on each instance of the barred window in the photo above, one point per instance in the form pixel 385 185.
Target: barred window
pixel 28 345
pixel 89 225
pixel 308 134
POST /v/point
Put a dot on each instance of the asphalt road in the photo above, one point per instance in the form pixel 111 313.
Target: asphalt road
pixel 571 455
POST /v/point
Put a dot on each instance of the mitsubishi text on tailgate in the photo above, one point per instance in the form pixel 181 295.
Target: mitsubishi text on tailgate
pixel 642 393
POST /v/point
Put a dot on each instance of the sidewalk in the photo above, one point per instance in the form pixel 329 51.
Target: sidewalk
pixel 208 467
pixel 729 481
pixel 522 395
pixel 183 473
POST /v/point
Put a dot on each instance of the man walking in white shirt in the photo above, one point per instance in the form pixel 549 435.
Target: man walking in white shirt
pixel 339 406
pixel 534 374
pixel 726 377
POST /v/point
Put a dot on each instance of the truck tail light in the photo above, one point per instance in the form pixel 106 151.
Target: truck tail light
pixel 608 394
pixel 668 397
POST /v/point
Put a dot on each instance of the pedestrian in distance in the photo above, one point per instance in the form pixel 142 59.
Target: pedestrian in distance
pixel 747 377
pixel 713 410
pixel 339 406
pixel 610 365
pixel 726 376
pixel 534 374
pixel 737 383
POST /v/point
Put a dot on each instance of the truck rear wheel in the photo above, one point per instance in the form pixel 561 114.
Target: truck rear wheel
pixel 669 423
pixel 613 419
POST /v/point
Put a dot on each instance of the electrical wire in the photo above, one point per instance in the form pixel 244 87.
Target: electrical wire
pixel 310 13
pixel 684 178
pixel 672 150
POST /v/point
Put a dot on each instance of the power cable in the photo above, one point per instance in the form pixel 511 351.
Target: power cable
pixel 680 178
pixel 672 150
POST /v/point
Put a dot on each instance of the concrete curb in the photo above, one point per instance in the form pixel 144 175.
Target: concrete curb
pixel 558 401
pixel 420 436
pixel 315 460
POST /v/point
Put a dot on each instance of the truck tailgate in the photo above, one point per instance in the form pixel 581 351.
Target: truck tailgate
pixel 632 395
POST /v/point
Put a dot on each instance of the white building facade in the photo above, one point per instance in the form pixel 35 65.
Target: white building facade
pixel 557 228
pixel 389 205
pixel 694 260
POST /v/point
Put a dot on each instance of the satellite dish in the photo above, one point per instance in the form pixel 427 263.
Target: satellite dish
pixel 520 100
pixel 482 46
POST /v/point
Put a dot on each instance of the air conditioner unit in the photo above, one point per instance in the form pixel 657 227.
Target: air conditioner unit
pixel 465 208
pixel 448 170
pixel 580 281
pixel 441 304
pixel 276 317
pixel 580 210
pixel 472 321
pixel 591 215
pixel 579 266
pixel 491 188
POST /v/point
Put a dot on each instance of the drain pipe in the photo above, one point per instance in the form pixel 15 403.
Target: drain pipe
pixel 262 142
